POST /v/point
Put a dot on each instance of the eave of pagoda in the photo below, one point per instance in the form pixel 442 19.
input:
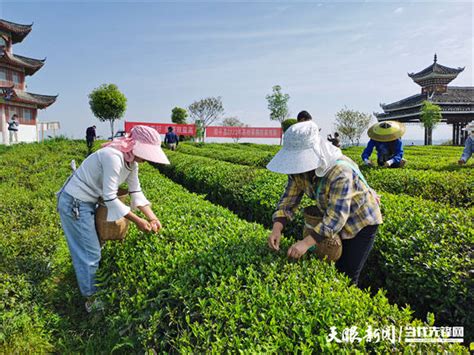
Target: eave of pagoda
pixel 29 65
pixel 17 31
pixel 457 104
pixel 41 101
pixel 22 97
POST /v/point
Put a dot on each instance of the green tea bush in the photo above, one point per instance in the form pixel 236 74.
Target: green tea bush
pixel 228 153
pixel 454 187
pixel 35 270
pixel 420 241
pixel 208 283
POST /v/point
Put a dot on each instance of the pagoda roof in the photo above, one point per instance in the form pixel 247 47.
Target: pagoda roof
pixel 456 100
pixel 41 101
pixel 30 65
pixel 18 31
pixel 435 70
pixel 453 94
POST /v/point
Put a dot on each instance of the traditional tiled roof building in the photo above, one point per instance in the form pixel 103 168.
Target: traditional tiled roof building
pixel 456 102
pixel 13 71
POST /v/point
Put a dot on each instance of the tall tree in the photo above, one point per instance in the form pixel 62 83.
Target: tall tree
pixel 179 115
pixel 352 124
pixel 108 104
pixel 430 117
pixel 278 105
pixel 205 112
pixel 234 122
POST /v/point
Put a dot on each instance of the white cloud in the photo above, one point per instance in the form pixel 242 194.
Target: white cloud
pixel 398 10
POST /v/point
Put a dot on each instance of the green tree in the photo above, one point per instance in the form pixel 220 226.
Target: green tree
pixel 288 123
pixel 430 117
pixel 108 104
pixel 234 122
pixel 205 112
pixel 352 124
pixel 179 115
pixel 278 105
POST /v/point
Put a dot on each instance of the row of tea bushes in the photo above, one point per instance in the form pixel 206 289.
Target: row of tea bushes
pixel 208 283
pixel 421 255
pixel 434 158
pixel 33 254
pixel 41 310
pixel 248 155
pixel 455 188
pixel 452 188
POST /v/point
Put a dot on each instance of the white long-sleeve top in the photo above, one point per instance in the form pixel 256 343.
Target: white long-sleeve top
pixel 100 176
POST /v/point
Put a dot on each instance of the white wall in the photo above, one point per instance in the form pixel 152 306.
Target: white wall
pixel 26 133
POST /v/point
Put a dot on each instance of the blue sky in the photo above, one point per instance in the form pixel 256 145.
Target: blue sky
pixel 326 55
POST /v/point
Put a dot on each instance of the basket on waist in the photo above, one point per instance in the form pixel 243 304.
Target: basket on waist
pixel 330 249
pixel 115 230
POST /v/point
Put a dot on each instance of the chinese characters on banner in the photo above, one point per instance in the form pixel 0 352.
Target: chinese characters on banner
pixel 213 131
pixel 243 132
pixel 162 128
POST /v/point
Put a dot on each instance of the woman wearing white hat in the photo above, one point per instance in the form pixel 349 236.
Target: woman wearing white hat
pixel 468 145
pixel 349 208
pixel 385 137
pixel 100 176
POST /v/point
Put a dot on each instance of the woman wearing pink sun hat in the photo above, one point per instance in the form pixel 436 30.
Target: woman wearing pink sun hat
pixel 100 176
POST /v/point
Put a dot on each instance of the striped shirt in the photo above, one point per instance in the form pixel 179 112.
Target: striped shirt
pixel 346 203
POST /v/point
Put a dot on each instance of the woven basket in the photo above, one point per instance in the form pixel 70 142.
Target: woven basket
pixel 330 249
pixel 115 230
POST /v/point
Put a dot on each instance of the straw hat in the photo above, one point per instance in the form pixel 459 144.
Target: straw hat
pixel 469 127
pixel 386 131
pixel 303 150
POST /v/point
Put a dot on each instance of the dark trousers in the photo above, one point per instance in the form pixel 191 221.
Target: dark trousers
pixel 90 144
pixel 355 252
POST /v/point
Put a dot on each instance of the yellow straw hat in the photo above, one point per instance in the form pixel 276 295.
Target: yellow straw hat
pixel 386 131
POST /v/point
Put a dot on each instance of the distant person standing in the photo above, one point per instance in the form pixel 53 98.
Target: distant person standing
pixel 13 128
pixel 171 139
pixel 90 138
pixel 335 140
pixel 468 145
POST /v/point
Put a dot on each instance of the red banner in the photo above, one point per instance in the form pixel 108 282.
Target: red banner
pixel 243 132
pixel 162 128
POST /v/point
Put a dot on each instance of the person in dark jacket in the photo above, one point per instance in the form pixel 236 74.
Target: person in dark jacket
pixel 13 128
pixel 90 138
pixel 385 137
pixel 171 139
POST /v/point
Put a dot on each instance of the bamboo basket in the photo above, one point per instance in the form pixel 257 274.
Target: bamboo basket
pixel 330 249
pixel 115 230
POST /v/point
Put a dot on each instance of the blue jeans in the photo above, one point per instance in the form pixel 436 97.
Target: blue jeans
pixel 78 222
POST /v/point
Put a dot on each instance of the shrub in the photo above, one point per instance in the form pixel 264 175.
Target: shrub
pixel 420 242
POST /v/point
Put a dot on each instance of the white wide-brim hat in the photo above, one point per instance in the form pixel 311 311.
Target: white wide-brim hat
pixel 303 150
pixel 469 127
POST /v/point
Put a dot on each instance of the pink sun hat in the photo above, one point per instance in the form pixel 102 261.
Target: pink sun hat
pixel 148 144
pixel 142 142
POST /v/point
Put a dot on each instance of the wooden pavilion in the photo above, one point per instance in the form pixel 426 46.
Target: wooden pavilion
pixel 456 102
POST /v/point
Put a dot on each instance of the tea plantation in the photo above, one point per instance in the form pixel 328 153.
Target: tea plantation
pixel 208 283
